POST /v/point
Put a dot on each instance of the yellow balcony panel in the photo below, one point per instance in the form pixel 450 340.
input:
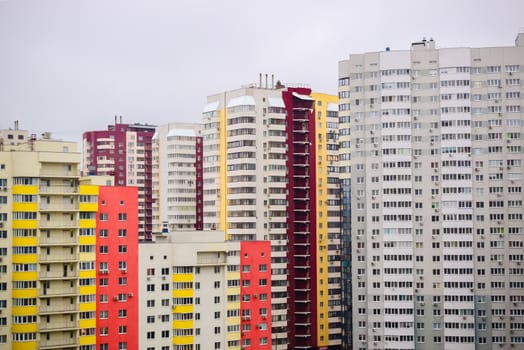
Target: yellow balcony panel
pixel 233 291
pixel 25 276
pixel 183 340
pixel 25 293
pixel 87 290
pixel 87 240
pixel 25 259
pixel 24 328
pixel 183 277
pixel 89 323
pixel 183 308
pixel 87 223
pixel 177 293
pixel 92 207
pixel 233 336
pixel 25 241
pixel 24 310
pixel 89 190
pixel 88 306
pixel 87 257
pixel 87 274
pixel 233 304
pixel 183 324
pixel 233 275
pixel 88 340
pixel 31 207
pixel 25 189
pixel 233 320
pixel 29 224
pixel 26 345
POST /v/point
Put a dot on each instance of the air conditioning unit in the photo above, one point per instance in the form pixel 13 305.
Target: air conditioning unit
pixel 115 298
pixel 130 295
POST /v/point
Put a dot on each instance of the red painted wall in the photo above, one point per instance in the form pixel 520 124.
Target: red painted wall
pixel 255 267
pixel 301 219
pixel 117 287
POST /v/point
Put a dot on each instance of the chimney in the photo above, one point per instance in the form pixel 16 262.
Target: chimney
pixel 16 124
pixel 272 81
pixel 266 80
pixel 260 80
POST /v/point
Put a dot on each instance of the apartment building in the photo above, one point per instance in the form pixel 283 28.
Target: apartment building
pixel 436 196
pixel 117 268
pixel 202 292
pixel 125 152
pixel 263 180
pixel 47 262
pixel 177 178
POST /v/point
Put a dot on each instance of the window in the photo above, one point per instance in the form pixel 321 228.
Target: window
pixel 122 232
pixel 104 249
pixel 122 313
pixel 122 249
pixel 122 216
pixel 103 217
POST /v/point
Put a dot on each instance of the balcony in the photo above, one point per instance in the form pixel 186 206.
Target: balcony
pixel 57 207
pixel 57 292
pixel 58 343
pixel 55 258
pixel 60 308
pixel 58 275
pixel 58 239
pixel 58 189
pixel 58 326
pixel 59 224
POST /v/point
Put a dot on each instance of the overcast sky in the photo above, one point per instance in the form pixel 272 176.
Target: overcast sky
pixel 68 66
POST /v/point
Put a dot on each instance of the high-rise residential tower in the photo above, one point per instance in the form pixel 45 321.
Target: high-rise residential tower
pixel 436 196
pixel 47 262
pixel 125 152
pixel 269 174
pixel 178 177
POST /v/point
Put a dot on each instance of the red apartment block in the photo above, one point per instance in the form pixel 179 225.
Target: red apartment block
pixel 117 276
pixel 125 152
pixel 255 294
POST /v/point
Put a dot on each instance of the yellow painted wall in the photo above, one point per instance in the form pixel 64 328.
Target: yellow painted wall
pixel 321 102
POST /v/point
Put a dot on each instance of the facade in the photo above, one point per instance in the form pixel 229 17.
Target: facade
pixel 117 268
pixel 193 294
pixel 436 196
pixel 177 177
pixel 251 183
pixel 47 295
pixel 125 152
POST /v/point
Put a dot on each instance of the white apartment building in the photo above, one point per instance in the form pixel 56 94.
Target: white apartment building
pixel 436 153
pixel 248 190
pixel 176 177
